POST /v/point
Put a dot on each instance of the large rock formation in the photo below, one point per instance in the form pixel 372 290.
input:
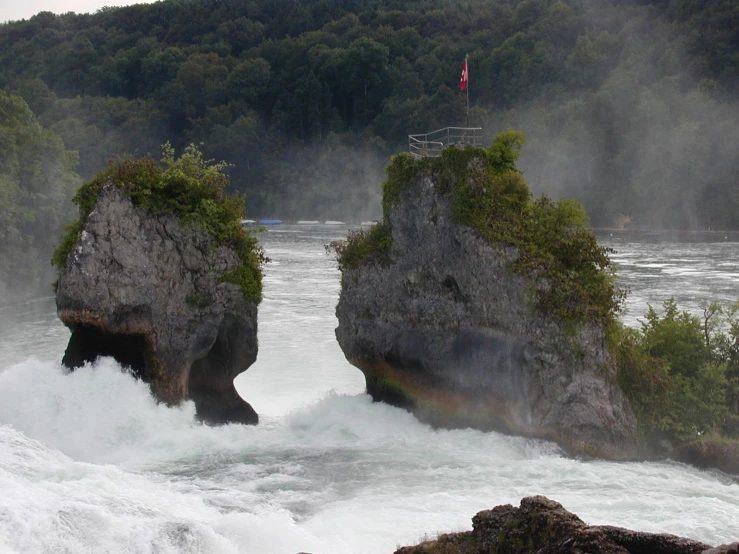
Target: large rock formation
pixel 150 292
pixel 543 526
pixel 441 325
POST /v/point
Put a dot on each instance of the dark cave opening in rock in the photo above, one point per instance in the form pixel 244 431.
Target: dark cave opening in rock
pixel 88 343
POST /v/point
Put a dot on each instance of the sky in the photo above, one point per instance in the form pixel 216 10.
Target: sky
pixel 12 10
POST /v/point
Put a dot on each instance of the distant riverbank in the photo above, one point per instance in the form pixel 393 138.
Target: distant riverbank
pixel 668 235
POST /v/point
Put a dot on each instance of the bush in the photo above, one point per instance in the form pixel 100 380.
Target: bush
pixel 189 187
pixel 643 378
pixel 363 246
pixel 676 337
pixel 678 373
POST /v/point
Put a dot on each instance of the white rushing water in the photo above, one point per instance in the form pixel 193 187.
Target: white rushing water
pixel 89 463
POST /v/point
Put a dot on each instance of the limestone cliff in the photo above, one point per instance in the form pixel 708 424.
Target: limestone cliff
pixel 436 317
pixel 150 291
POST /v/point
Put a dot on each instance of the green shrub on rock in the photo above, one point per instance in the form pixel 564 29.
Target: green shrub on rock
pixel 363 246
pixel 681 374
pixel 188 187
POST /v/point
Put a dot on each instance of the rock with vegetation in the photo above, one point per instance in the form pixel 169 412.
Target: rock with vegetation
pixel 159 274
pixel 472 304
pixel 543 526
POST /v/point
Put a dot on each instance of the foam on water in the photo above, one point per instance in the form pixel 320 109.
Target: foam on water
pixel 51 503
pixel 89 462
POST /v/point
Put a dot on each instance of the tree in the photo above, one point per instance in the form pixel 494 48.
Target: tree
pixel 36 185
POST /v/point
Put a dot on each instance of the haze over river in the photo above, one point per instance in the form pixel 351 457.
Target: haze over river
pixel 90 463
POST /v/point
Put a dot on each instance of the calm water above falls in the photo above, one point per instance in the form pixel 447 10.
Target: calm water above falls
pixel 89 463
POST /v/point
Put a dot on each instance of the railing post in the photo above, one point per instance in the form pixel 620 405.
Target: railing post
pixel 433 143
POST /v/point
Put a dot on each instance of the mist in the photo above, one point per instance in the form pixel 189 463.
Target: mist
pixel 654 147
pixel 329 181
pixel 37 181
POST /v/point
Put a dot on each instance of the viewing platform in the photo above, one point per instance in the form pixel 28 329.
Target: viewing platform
pixel 430 145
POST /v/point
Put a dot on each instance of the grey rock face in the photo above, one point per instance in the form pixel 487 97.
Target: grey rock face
pixel 447 330
pixel 148 291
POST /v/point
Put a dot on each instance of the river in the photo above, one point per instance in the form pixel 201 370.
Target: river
pixel 90 463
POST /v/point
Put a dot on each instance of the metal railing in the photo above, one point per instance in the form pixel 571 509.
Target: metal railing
pixel 431 144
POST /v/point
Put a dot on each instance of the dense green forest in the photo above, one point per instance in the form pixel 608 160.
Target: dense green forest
pixel 37 181
pixel 630 106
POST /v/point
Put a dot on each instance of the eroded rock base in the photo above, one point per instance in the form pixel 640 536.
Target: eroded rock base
pixel 433 401
pixel 210 382
pixel 222 407
pixel 543 526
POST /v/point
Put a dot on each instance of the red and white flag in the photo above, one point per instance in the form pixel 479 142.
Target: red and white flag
pixel 465 76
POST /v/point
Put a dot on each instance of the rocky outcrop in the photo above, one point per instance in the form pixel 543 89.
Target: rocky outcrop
pixel 444 327
pixel 722 455
pixel 732 548
pixel 150 292
pixel 543 526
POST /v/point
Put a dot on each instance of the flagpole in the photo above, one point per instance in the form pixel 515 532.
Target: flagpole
pixel 466 65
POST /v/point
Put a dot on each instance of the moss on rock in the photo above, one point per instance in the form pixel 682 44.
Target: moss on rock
pixel 190 188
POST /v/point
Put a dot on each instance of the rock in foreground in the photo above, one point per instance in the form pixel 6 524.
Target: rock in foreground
pixel 543 526
pixel 150 292
pixel 433 313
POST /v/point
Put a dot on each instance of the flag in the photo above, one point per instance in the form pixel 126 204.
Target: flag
pixel 465 76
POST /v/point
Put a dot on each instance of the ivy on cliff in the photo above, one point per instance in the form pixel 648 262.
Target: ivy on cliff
pixel 188 187
pixel 571 275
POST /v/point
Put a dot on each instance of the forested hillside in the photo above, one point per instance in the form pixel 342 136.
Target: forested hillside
pixel 632 107
pixel 37 181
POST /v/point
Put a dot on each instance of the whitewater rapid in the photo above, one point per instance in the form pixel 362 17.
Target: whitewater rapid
pixel 90 463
